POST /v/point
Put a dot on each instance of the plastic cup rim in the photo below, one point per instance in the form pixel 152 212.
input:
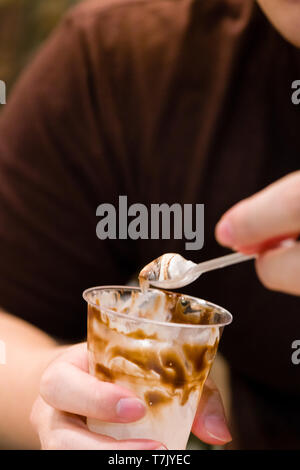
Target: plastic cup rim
pixel 153 322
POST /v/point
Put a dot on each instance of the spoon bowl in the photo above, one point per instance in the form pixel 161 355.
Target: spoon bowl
pixel 172 271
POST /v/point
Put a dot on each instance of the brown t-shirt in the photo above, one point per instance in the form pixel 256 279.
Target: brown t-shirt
pixel 163 101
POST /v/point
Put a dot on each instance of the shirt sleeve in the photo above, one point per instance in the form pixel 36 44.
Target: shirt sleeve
pixel 57 164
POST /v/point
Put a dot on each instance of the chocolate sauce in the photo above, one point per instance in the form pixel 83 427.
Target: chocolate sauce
pixel 99 344
pixel 149 273
pixel 172 371
pixel 140 334
pixel 181 309
pixel 184 310
pixel 179 368
pixel 200 356
pixel 104 373
pixel 155 398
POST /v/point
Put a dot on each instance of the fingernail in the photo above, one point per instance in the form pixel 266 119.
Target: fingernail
pixel 217 428
pixel 224 233
pixel 130 409
pixel 161 448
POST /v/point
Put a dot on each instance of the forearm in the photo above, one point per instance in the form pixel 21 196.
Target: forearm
pixel 28 352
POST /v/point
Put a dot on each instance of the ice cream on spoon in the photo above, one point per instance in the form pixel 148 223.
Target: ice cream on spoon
pixel 168 267
pixel 171 270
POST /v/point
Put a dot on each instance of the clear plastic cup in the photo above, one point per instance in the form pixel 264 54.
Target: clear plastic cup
pixel 160 345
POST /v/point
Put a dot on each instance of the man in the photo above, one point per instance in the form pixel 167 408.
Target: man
pixel 163 101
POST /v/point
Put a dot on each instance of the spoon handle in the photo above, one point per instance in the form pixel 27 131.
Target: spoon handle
pixel 221 262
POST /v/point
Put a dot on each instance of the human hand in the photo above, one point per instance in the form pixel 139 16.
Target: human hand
pixel 68 394
pixel 259 224
pixel 210 423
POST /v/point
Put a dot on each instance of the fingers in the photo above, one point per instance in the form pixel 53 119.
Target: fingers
pixel 68 391
pixel 67 388
pixel 273 213
pixel 210 422
pixel 63 431
pixel 77 355
pixel 279 269
pixel 259 223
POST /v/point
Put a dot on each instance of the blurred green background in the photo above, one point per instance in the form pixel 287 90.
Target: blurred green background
pixel 24 24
